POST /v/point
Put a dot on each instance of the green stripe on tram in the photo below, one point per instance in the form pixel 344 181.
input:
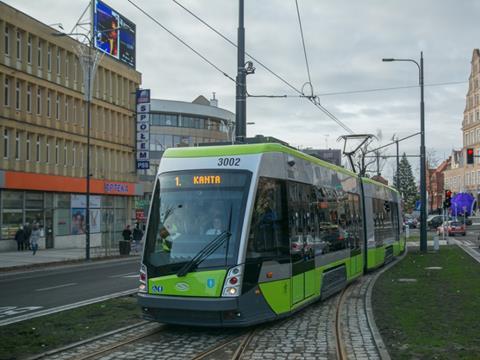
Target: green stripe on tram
pixel 248 149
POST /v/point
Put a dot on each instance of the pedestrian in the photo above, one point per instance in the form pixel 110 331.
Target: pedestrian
pixel 34 237
pixel 20 239
pixel 137 236
pixel 28 232
pixel 127 233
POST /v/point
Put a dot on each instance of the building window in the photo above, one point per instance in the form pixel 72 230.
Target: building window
pixel 74 111
pixel 5 143
pixel 49 58
pixel 49 103
pixel 17 145
pixel 74 70
pixel 29 49
pixel 74 156
pixel 6 93
pixel 19 45
pixel 58 61
pixel 57 107
pixel 39 101
pixel 47 153
pixel 39 53
pixel 29 98
pixel 37 149
pixel 66 108
pixel 6 42
pixel 27 152
pixel 65 155
pixel 17 95
pixel 67 65
pixel 56 152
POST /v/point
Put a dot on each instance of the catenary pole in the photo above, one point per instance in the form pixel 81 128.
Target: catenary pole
pixel 241 91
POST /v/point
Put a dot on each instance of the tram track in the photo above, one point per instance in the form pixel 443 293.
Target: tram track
pixel 214 352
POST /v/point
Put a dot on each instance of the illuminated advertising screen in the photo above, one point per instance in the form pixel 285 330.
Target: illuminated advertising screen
pixel 114 34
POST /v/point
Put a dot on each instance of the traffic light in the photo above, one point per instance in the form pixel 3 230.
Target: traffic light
pixel 448 199
pixel 470 155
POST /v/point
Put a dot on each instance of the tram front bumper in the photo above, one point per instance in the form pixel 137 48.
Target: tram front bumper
pixel 213 312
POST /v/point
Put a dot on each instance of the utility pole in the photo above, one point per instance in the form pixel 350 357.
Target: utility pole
pixel 397 182
pixel 241 91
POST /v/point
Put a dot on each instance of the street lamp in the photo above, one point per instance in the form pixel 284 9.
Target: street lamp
pixel 89 63
pixel 423 184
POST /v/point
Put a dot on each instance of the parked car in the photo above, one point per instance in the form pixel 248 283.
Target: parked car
pixel 451 228
pixel 411 222
pixel 434 221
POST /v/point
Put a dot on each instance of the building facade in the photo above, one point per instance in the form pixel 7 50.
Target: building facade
pixel 436 186
pixel 462 177
pixel 44 135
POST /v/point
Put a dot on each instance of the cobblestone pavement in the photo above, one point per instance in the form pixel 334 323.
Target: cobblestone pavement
pixel 356 332
pixel 169 342
pixel 309 334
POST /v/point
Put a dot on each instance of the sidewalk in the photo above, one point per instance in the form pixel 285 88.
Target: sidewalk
pixel 18 259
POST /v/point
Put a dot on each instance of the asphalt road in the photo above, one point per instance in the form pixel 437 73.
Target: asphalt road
pixel 40 291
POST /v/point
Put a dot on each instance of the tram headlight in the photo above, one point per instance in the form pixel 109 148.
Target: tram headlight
pixel 143 279
pixel 233 282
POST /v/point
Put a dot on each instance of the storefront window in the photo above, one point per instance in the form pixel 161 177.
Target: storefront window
pixel 34 217
pixel 11 221
pixel 12 199
pixel 107 201
pixel 62 201
pixel 33 200
pixel 62 222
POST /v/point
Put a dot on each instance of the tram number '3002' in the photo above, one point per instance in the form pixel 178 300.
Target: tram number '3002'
pixel 228 162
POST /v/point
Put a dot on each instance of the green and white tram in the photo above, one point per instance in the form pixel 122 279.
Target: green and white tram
pixel 243 234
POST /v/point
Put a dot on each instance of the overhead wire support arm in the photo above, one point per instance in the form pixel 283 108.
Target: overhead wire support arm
pixel 393 142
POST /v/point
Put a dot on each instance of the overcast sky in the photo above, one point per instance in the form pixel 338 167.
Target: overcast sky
pixel 345 42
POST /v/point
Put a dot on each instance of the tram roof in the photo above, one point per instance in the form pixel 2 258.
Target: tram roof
pixel 248 149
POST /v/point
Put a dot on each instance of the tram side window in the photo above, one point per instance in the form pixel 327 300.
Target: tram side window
pixel 301 220
pixel 268 229
pixel 395 220
pixel 382 219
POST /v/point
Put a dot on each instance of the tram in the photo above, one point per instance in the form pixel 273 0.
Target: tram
pixel 243 234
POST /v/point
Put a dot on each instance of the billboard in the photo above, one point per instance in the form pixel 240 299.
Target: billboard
pixel 114 34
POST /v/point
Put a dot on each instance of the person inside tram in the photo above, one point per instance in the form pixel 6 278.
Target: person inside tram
pixel 217 227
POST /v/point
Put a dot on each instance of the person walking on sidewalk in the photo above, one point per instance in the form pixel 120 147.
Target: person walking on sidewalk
pixel 137 237
pixel 28 232
pixel 20 239
pixel 34 238
pixel 127 233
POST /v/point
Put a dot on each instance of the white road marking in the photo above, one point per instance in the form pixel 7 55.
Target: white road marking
pixel 130 274
pixel 56 287
pixel 66 307
pixel 16 310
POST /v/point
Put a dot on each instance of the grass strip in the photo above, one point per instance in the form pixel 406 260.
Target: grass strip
pixel 27 338
pixel 436 316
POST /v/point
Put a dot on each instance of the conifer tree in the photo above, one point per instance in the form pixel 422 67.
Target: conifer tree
pixel 407 187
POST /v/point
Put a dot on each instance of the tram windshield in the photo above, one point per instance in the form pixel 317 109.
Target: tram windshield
pixel 190 209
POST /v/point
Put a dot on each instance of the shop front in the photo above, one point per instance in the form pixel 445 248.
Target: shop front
pixel 58 206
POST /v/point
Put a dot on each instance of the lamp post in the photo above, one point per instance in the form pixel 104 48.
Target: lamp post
pixel 89 62
pixel 423 184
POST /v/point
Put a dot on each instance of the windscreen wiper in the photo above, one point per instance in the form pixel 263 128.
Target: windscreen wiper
pixel 204 253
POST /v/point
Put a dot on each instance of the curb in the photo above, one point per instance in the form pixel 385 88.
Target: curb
pixel 60 264
pixel 382 349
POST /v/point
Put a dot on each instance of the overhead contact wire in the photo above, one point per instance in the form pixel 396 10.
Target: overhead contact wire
pixel 301 94
pixel 182 41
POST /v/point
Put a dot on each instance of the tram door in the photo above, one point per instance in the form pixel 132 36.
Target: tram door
pixel 301 242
